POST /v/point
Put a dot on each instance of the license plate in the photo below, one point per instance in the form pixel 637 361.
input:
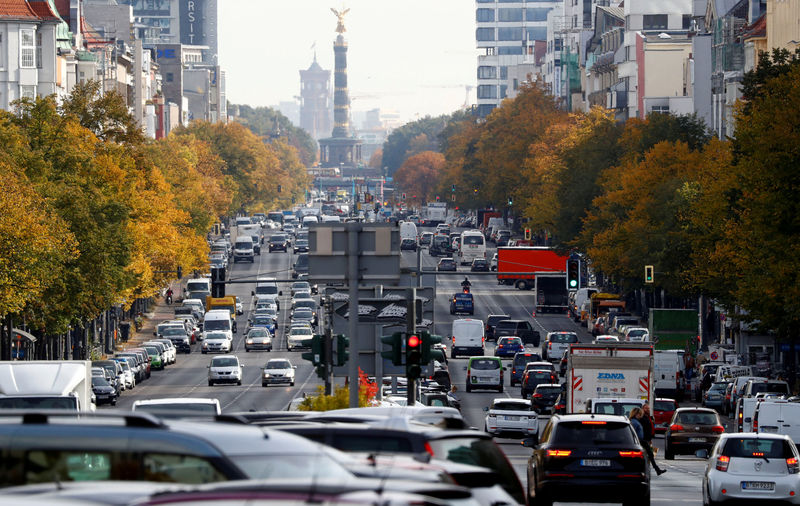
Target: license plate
pixel 596 462
pixel 758 485
pixel 511 418
pixel 697 440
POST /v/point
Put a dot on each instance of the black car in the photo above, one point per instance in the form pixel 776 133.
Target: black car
pixel 534 378
pixel 440 246
pixel 104 393
pixel 408 244
pixel 544 397
pixel 491 321
pixel 479 265
pixel 588 457
pixel 520 328
pixel 518 364
pixel 278 242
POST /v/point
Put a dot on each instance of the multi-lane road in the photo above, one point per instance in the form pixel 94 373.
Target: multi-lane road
pixel 188 378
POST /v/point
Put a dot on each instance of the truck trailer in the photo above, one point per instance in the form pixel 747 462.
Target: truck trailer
pixel 530 260
pixel 46 384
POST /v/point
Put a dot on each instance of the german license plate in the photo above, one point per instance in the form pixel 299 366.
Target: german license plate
pixel 511 418
pixel 697 440
pixel 758 485
pixel 596 462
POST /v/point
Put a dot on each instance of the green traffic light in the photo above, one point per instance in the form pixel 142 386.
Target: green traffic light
pixel 573 283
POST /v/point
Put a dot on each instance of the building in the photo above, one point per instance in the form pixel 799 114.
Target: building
pixel 315 100
pixel 604 51
pixel 506 32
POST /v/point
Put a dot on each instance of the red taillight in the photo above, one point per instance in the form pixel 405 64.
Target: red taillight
pixel 469 373
pixel 592 422
pixel 499 345
pixel 537 396
pixel 722 463
pixel 559 453
pixel 428 448
pixel 636 454
pixel 549 346
pixel 755 423
pixel 718 429
pixel 675 427
pixel 793 465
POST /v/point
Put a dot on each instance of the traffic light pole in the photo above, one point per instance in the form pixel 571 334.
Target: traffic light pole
pixel 353 230
pixel 327 351
pixel 411 329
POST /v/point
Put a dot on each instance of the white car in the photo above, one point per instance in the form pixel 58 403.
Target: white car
pixel 606 339
pixel 752 467
pixel 637 334
pixel 493 262
pixel 278 371
pixel 300 286
pixel 216 342
pixel 296 337
pixel 511 415
pixel 225 369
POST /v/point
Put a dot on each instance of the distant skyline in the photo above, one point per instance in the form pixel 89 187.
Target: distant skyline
pixel 411 56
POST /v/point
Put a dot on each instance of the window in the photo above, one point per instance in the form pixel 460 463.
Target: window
pixel 485 109
pixel 179 468
pixel 484 34
pixel 654 22
pixel 487 72
pixel 503 89
pixel 27 92
pixel 487 91
pixel 509 33
pixel 27 49
pixel 38 50
pixel 484 15
pixel 557 45
pixel 491 51
pixel 537 33
pixel 485 1
pixel 516 84
pixel 536 14
pixel 503 72
pixel 509 14
pixel 663 109
pixel 687 21
pixel 514 50
pixel 170 77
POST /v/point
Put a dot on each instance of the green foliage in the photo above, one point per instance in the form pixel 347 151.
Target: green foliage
pixel 267 122
pixel 106 114
pixel 779 63
pixel 416 137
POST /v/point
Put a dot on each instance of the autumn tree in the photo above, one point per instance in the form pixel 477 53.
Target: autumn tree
pixel 419 176
pixel 103 113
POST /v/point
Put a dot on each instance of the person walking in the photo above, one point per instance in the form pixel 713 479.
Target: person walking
pixel 636 416
pixel 649 429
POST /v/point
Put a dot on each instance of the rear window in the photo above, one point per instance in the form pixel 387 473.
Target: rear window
pixel 615 408
pixel 608 433
pixel 484 364
pixel 548 390
pixel 372 443
pixel 770 387
pixel 564 338
pixel 506 341
pixel 746 447
pixel 473 239
pixel 698 418
pixel 493 320
pixel 663 406
pixel 543 375
pixel 521 360
pixel 511 406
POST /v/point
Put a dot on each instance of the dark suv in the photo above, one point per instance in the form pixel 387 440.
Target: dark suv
pixel 520 328
pixel 491 322
pixel 588 458
pixel 535 377
pixel 518 365
pixel 278 242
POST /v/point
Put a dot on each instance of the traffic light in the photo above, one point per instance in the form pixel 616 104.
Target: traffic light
pixel 396 353
pixel 474 191
pixel 453 189
pixel 648 274
pixel 428 340
pixel 404 196
pixel 453 197
pixel 342 355
pixel 180 272
pixel 573 274
pixel 511 201
pixel 413 356
pixel 437 198
pixel 315 356
pixel 527 234
pixel 218 282
pixel 279 188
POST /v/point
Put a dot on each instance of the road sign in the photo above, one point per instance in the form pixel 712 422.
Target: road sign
pixel 378 247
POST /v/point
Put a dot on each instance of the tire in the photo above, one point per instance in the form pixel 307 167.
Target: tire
pixel 247 350
pixel 522 284
pixel 210 383
pixel 468 388
pixel 291 384
pixel 637 501
pixel 203 352
pixel 542 499
pixel 264 384
pixel 114 402
pixel 239 382
pixel 668 454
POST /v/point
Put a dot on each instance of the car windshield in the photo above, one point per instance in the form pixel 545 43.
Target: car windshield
pixel 258 332
pixel 564 338
pixel 278 364
pixel 521 360
pixel 303 313
pixel 277 238
pixel 596 433
pixel 305 304
pixel 746 447
pixel 548 390
pixel 216 325
pixel 484 364
pixel 262 320
pixel 697 418
pixel 224 362
pixel 720 387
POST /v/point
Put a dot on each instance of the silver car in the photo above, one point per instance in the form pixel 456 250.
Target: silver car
pixel 225 369
pixel 278 371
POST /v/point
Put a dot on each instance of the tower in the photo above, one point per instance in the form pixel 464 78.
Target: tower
pixel 315 100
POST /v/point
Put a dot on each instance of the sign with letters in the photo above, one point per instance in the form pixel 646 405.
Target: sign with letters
pixel 191 22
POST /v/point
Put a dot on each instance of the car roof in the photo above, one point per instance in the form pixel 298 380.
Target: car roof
pixel 511 399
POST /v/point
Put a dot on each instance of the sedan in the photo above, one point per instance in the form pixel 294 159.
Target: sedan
pixel 297 338
pixel 300 286
pixel 262 321
pixel 258 338
pixel 301 246
pixel 446 264
pixel 278 371
pixel 511 415
pixel 691 429
pixel 508 347
pixel 753 468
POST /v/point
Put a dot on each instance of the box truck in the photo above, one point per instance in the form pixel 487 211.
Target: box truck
pixel 46 384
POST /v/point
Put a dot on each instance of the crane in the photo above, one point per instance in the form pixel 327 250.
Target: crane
pixel 467 87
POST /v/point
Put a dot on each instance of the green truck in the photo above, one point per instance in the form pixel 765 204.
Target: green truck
pixel 673 329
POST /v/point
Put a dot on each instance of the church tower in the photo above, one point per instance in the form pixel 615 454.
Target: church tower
pixel 315 84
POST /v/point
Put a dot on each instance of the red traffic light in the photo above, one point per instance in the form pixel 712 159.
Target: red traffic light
pixel 413 342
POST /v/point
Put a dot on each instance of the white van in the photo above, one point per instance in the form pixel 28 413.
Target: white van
pixel 778 417
pixel 408 230
pixel 577 300
pixel 668 372
pixel 307 220
pixel 471 246
pixel 327 218
pixel 743 418
pixel 198 285
pixel 243 249
pixel 468 337
pixel 218 320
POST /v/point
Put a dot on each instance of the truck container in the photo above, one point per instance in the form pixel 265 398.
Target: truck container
pixel 436 213
pixel 46 384
pixel 608 371
pixel 530 260
pixel 551 292
pixel 672 329
pixel 228 302
pixel 483 218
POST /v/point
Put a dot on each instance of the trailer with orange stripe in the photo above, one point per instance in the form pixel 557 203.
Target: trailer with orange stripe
pixel 609 371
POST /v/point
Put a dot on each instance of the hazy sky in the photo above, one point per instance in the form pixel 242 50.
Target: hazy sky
pixel 411 56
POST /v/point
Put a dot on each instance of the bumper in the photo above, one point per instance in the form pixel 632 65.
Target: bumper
pixel 524 428
pixel 281 380
pixel 105 398
pixel 229 378
pixel 469 351
pixel 258 346
pixel 607 489
pixel 733 488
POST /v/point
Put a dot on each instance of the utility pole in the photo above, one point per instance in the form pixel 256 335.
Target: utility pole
pixel 327 348
pixel 353 230
pixel 411 329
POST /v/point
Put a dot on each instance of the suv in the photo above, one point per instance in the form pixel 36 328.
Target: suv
pixel 535 377
pixel 491 322
pixel 520 328
pixel 585 457
pixel 691 429
pixel 484 372
pixel 556 342
pixel 278 242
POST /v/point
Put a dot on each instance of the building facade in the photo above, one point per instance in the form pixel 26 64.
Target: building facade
pixel 315 100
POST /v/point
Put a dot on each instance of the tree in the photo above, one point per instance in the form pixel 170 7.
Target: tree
pixel 376 159
pixel 269 123
pixel 412 138
pixel 419 175
pixel 105 114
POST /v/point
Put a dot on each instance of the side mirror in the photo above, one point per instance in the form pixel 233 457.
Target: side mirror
pixel 486 408
pixel 703 454
pixel 294 367
pixel 253 293
pixel 280 293
pixel 465 368
pixel 530 442
pixel 208 367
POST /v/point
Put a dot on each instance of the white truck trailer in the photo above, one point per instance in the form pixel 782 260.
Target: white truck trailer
pixel 608 371
pixel 46 384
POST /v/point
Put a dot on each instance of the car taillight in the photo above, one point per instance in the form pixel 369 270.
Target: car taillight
pixel 722 463
pixel 499 345
pixel 755 423
pixel 676 427
pixel 718 429
pixel 793 465
pixel 559 453
pixel 428 448
pixel 635 454
pixel 741 419
pixel 469 373
pixel 537 396
pixel 549 346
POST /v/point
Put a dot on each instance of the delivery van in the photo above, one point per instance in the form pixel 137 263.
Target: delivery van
pixel 467 337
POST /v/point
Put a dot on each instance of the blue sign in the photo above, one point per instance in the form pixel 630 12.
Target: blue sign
pixel 169 53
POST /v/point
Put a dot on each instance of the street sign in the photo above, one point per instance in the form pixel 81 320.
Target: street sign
pixel 378 253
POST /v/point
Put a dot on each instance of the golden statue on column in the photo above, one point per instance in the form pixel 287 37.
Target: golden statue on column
pixel 340 16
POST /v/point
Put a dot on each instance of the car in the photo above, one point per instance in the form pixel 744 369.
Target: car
pixel 479 265
pixel 521 359
pixel 278 371
pixel 605 339
pixel 439 246
pixel 520 328
pixel 408 244
pixel 278 242
pixel 216 342
pixel 663 409
pixel 225 369
pixel 258 338
pixel 484 373
pixel 104 392
pixel 128 376
pixel 446 264
pixel 691 429
pixel 534 377
pixel 156 359
pixel 299 337
pixel 425 238
pixel 714 397
pixel 300 286
pixel 262 321
pixel 303 314
pixel 585 457
pixel 556 342
pixel 637 334
pixel 300 246
pixel 511 415
pixel 178 407
pixel 544 397
pixel 508 346
pixel 753 468
pixel 461 303
pixel 491 323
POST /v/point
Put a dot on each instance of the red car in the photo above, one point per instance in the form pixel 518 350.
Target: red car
pixel 663 409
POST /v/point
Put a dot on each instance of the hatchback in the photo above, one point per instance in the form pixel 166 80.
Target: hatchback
pixel 663 409
pixel 446 264
pixel 536 377
pixel 691 429
pixel 544 397
pixel 225 369
pixel 479 265
pixel 508 346
pixel 278 371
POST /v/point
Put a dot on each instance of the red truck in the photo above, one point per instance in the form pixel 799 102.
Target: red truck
pixel 532 259
pixel 483 217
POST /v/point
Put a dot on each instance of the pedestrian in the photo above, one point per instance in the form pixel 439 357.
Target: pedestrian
pixel 636 416
pixel 649 429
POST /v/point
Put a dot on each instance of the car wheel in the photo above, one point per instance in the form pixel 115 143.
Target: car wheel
pixel 668 454
pixel 291 384
pixel 114 402
pixel 247 350
pixel 239 382
pixel 264 384
pixel 468 388
pixel 637 501
pixel 522 284
pixel 210 383
pixel 452 353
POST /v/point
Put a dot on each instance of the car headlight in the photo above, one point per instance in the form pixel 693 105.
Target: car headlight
pixel 266 375
pixel 250 341
pixel 205 344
